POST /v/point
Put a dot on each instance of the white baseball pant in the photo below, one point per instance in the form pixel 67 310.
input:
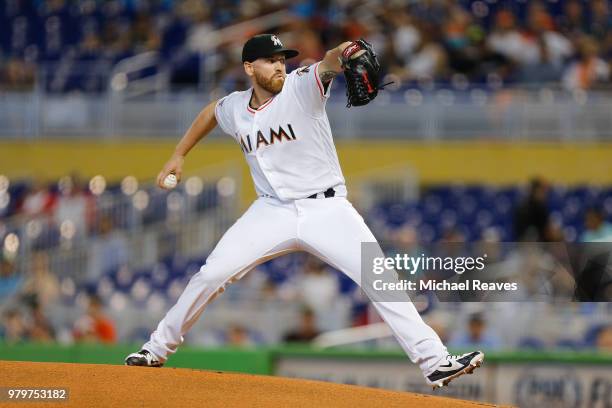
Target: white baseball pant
pixel 329 228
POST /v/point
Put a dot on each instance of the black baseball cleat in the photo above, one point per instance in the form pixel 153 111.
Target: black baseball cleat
pixel 453 367
pixel 143 358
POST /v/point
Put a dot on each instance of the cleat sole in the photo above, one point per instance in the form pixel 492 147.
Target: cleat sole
pixel 137 363
pixel 467 370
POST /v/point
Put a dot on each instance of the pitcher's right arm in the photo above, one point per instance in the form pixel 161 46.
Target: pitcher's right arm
pixel 203 124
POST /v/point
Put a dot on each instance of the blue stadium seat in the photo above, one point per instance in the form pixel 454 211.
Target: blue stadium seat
pixel 533 343
pixel 569 344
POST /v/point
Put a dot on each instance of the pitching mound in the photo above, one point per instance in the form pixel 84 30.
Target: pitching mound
pixel 94 385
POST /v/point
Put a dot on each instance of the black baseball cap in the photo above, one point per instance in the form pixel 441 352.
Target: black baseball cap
pixel 264 45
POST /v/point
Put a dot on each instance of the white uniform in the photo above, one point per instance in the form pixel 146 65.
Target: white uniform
pixel 288 145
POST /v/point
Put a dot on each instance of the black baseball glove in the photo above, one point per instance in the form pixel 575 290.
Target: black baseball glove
pixel 361 73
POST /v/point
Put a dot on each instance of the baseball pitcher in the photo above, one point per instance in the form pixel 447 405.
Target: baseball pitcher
pixel 281 126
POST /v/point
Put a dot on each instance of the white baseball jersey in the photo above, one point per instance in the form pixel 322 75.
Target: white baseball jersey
pixel 287 141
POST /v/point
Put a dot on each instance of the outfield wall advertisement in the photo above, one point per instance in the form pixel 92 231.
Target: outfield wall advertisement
pixel 400 375
pixel 553 385
pixel 518 384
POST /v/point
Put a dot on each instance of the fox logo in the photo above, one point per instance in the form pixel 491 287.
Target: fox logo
pixel 276 41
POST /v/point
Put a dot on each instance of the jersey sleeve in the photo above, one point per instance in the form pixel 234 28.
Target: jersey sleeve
pixel 309 91
pixel 223 114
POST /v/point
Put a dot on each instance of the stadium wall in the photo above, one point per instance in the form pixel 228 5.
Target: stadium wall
pixel 495 163
pixel 262 360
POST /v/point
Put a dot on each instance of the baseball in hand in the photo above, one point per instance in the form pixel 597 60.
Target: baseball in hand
pixel 170 181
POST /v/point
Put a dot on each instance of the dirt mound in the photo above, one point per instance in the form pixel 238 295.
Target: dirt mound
pixel 96 385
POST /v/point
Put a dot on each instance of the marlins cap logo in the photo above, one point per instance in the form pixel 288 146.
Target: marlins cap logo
pixel 276 41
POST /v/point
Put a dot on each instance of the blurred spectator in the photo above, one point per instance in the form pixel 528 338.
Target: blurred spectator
pixel 601 20
pixel 238 336
pixel 597 228
pixel 13 329
pixel 117 42
pixel 532 217
pixel 41 284
pixel 405 36
pixel 10 280
pixel 16 75
pixel 550 50
pixel 573 21
pixel 429 58
pixel 310 44
pixel 552 47
pixel 505 39
pixel 476 335
pixel 90 47
pixel 74 209
pixel 39 329
pixel 198 34
pixel 452 235
pixel 603 341
pixel 307 329
pixel 317 288
pixel 109 250
pixel 38 201
pixel 464 42
pixel 405 239
pixel 589 69
pixel 95 326
pixel 144 34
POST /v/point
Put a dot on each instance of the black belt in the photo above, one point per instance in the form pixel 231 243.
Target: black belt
pixel 330 192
